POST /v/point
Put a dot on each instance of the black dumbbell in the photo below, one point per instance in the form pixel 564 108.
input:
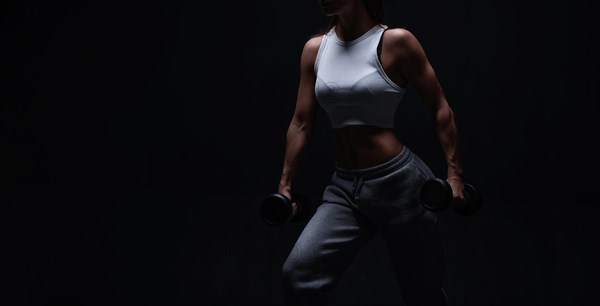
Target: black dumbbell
pixel 436 195
pixel 277 209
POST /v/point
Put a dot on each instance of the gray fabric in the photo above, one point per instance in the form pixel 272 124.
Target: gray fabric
pixel 356 205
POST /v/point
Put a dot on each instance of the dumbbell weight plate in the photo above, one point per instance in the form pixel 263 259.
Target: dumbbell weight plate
pixel 276 209
pixel 472 202
pixel 435 194
pixel 304 207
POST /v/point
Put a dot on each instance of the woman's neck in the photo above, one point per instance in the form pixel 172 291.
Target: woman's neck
pixel 353 24
pixel 348 33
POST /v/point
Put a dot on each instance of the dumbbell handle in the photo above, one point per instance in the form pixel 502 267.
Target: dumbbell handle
pixel 277 208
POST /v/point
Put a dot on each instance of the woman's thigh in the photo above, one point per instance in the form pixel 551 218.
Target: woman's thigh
pixel 327 245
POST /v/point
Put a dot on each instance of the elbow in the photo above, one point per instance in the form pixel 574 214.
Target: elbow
pixel 443 115
pixel 304 127
pixel 303 123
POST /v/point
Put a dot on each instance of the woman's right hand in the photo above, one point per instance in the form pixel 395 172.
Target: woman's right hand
pixel 287 191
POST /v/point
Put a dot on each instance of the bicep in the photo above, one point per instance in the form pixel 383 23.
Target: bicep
pixel 306 101
pixel 417 69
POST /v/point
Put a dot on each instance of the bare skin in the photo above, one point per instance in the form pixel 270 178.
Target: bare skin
pixel 360 146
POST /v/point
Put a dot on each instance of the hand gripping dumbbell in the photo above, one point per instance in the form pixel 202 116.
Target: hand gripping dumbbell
pixel 436 195
pixel 277 209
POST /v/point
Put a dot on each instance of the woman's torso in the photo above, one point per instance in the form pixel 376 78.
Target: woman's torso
pixel 362 146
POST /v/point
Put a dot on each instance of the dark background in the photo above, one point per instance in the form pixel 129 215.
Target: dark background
pixel 138 137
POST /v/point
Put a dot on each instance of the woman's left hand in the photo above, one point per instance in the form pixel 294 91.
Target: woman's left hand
pixel 458 187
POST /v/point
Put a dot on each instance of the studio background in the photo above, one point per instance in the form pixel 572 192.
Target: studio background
pixel 138 138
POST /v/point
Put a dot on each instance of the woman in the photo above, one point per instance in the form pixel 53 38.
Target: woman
pixel 358 70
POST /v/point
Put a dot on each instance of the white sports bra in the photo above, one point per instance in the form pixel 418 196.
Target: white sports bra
pixel 351 85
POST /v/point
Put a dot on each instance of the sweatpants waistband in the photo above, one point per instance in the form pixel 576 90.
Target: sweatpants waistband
pixel 378 170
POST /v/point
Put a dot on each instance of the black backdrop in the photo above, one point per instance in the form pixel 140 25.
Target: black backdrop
pixel 139 136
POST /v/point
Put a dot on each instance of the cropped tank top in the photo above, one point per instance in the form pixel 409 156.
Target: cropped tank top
pixel 351 85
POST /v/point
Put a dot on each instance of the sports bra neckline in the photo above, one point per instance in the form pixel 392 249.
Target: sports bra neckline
pixel 358 39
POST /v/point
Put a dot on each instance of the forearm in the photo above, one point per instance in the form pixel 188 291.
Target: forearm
pixel 297 139
pixel 447 134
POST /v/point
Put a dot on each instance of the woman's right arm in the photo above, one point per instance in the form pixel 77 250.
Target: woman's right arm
pixel 299 132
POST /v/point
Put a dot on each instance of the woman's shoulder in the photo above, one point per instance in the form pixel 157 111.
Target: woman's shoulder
pixel 313 43
pixel 402 40
pixel 399 35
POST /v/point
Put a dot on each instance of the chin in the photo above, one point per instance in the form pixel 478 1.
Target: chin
pixel 327 7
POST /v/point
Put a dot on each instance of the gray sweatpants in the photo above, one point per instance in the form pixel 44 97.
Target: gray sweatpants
pixel 357 204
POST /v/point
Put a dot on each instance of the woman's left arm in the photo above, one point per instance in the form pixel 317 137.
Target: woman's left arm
pixel 413 65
